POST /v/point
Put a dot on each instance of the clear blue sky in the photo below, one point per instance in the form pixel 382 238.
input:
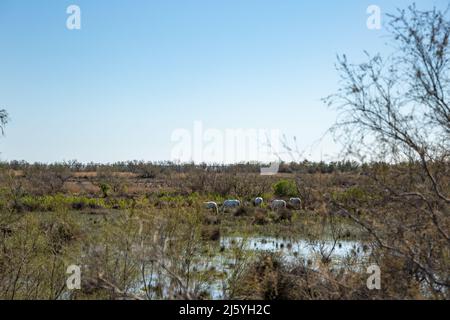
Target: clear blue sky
pixel 137 70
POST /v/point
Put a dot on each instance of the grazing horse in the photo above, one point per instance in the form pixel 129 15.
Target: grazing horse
pixel 212 205
pixel 295 202
pixel 230 204
pixel 258 201
pixel 278 204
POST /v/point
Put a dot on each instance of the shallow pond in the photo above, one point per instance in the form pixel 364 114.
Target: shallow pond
pixel 294 247
pixel 291 250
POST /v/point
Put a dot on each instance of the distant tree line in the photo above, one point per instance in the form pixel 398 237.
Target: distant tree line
pixel 151 169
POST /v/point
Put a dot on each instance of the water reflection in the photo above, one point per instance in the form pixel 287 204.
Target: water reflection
pixel 291 250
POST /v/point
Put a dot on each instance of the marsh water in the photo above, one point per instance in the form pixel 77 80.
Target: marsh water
pixel 293 248
pixel 290 249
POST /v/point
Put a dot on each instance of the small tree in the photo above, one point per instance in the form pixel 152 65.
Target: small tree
pixel 396 111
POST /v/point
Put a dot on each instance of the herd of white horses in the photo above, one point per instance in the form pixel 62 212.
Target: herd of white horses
pixel 258 202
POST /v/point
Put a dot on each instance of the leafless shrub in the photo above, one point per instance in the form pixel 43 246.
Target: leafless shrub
pixel 396 112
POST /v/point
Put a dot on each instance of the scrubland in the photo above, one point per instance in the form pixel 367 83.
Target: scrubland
pixel 140 231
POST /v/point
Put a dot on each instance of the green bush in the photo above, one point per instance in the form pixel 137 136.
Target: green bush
pixel 60 202
pixel 120 203
pixel 105 189
pixel 45 203
pixel 285 188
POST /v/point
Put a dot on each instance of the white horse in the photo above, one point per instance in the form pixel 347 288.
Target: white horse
pixel 258 201
pixel 231 204
pixel 296 202
pixel 278 204
pixel 211 205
